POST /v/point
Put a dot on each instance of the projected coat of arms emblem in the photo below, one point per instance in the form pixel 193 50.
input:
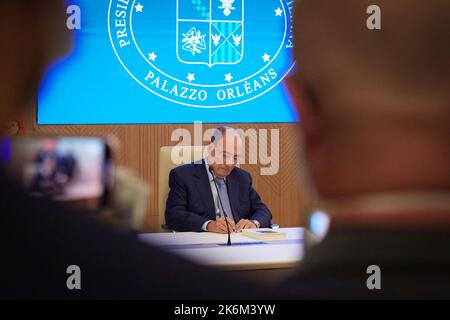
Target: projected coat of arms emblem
pixel 212 33
pixel 204 53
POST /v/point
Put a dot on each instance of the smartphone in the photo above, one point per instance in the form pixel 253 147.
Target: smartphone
pixel 76 170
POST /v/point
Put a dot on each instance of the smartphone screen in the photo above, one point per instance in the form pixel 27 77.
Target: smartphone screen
pixel 76 170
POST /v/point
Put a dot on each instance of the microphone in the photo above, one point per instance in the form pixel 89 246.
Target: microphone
pixel 221 205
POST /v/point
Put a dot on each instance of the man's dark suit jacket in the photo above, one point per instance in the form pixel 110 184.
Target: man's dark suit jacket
pixel 190 202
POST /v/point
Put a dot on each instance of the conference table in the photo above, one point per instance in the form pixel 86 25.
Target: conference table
pixel 268 260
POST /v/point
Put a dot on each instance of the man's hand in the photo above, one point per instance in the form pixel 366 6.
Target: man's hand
pixel 220 226
pixel 245 224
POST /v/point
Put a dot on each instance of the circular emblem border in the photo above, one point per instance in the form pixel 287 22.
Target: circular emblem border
pixel 281 78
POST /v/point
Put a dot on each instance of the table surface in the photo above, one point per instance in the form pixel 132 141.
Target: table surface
pixel 245 254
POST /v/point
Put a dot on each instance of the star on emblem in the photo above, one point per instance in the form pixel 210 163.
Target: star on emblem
pixel 266 57
pixel 228 77
pixel 152 56
pixel 278 12
pixel 139 7
pixel 190 77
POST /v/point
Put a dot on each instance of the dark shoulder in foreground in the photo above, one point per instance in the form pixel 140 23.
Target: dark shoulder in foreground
pixel 41 239
pixel 241 173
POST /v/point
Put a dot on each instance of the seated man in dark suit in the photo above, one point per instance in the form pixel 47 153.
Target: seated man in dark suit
pixel 201 191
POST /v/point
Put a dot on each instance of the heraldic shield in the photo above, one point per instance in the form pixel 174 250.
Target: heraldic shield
pixel 210 32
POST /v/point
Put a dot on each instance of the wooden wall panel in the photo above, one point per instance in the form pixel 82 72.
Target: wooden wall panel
pixel 286 193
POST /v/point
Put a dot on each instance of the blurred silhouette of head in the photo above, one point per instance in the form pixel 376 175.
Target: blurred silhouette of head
pixel 34 33
pixel 374 104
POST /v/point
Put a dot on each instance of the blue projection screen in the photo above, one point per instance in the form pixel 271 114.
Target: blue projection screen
pixel 173 61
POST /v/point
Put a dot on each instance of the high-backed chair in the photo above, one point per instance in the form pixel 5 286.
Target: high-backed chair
pixel 170 158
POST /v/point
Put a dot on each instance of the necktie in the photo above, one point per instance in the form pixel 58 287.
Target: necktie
pixel 224 196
